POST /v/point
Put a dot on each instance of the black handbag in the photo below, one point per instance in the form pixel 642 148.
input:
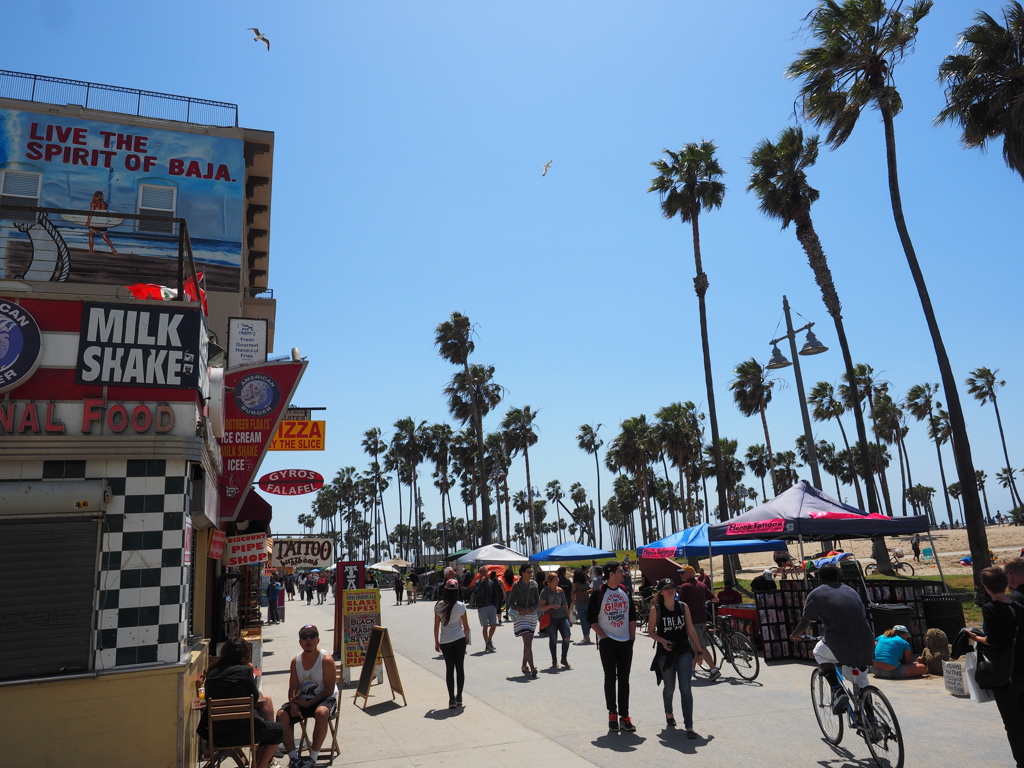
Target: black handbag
pixel 993 667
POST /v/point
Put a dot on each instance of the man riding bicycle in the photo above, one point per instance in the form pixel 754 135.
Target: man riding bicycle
pixel 847 638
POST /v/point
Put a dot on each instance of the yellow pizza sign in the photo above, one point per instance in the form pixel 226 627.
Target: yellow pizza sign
pixel 299 436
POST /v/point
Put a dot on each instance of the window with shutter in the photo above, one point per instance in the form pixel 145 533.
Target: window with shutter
pixel 19 188
pixel 160 201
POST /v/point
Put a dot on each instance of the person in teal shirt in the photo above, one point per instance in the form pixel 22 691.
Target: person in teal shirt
pixel 892 658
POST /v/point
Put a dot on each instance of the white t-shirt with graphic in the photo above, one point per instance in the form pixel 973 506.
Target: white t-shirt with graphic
pixel 613 618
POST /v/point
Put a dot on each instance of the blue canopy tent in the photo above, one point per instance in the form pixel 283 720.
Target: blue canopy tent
pixel 571 550
pixel 693 542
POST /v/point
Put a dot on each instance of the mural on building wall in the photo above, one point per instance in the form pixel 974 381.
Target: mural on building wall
pixel 107 172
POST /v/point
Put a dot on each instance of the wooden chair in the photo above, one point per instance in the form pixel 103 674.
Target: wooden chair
pixel 332 724
pixel 220 711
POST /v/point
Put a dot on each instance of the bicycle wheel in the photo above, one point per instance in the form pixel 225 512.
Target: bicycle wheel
pixel 882 730
pixel 870 570
pixel 905 568
pixel 744 657
pixel 821 700
pixel 710 649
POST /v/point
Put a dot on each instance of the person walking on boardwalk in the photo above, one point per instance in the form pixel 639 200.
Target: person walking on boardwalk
pixel 451 638
pixel 554 602
pixel 524 600
pixel 612 615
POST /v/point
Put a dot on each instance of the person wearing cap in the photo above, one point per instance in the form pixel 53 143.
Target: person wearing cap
pixel 678 651
pixel 764 583
pixel 451 637
pixel 696 595
pixel 893 656
pixel 312 692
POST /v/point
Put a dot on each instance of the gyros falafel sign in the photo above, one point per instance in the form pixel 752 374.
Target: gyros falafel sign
pixel 291 482
pixel 303 553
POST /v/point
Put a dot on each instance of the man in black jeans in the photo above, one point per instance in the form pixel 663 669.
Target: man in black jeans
pixel 612 614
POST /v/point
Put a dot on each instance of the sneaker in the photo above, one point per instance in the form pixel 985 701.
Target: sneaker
pixel 839 702
pixel 627 725
pixel 452 704
pixel 714 674
pixel 613 721
pixel 295 762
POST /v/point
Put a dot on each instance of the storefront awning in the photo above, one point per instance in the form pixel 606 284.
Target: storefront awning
pixel 255 507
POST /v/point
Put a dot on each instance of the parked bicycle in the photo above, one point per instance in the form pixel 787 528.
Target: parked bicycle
pixel 868 713
pixel 901 567
pixel 732 646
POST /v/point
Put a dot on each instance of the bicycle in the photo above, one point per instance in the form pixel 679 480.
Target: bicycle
pixel 899 566
pixel 868 713
pixel 732 646
pixel 785 571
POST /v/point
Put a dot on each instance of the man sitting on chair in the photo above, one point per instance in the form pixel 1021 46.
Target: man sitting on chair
pixel 312 692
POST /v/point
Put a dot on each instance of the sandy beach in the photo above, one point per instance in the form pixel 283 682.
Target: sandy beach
pixel 1005 540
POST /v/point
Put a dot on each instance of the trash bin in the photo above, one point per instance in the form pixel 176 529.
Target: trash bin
pixel 887 616
pixel 945 612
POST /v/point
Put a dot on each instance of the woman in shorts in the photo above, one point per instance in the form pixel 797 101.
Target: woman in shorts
pixel 524 599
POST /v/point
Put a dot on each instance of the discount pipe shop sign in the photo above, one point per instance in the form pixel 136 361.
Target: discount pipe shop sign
pixel 291 482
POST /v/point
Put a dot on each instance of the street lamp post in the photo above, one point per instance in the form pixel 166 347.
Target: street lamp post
pixel 811 347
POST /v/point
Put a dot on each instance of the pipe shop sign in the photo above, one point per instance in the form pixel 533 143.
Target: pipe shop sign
pixel 303 553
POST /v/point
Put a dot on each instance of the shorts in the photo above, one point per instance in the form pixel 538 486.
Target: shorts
pixel 488 615
pixel 889 674
pixel 783 561
pixel 331 702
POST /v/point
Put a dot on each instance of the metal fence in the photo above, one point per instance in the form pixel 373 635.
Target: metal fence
pixel 114 98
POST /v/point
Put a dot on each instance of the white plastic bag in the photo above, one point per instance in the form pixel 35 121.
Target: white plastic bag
pixel 977 693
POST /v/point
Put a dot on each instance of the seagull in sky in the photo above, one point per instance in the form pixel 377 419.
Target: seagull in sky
pixel 259 37
pixel 547 165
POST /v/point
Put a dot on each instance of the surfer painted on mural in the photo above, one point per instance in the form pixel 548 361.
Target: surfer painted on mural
pixel 98 204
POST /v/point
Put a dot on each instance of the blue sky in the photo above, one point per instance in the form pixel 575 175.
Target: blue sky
pixel 407 184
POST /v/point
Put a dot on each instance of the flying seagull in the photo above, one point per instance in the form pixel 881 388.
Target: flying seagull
pixel 259 37
pixel 547 165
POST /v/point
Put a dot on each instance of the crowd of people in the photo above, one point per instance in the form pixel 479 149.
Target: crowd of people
pixel 307 584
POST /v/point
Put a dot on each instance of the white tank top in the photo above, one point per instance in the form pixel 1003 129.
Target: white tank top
pixel 311 681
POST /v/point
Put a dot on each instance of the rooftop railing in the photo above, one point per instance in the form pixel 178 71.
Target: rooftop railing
pixel 115 98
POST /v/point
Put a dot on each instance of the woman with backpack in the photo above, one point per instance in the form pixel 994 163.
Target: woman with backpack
pixel 679 650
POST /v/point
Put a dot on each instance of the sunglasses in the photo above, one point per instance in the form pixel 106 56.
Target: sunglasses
pixel 308 636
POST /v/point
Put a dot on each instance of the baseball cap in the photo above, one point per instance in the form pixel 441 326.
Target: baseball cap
pixel 687 569
pixel 899 629
pixel 767 573
pixel 664 583
pixel 451 584
pixel 310 628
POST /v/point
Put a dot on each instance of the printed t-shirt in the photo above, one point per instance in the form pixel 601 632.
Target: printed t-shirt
pixel 613 618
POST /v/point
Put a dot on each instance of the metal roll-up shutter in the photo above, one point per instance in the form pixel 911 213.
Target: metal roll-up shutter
pixel 46 608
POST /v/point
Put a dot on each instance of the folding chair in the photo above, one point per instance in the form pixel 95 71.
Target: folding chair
pixel 332 723
pixel 219 711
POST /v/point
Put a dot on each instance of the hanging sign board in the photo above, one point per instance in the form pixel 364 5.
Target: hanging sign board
pixel 303 553
pixel 291 482
pixel 249 549
pixel 299 436
pixel 217 540
pixel 247 341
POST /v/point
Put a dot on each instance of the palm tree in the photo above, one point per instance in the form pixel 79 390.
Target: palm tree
pixel 689 183
pixel 864 387
pixel 373 445
pixel 779 179
pixel 517 428
pixel 982 384
pixel 890 427
pixel 473 395
pixel 500 462
pixel 437 445
pixel 632 452
pixel 922 404
pixel 860 44
pixel 757 458
pixel 588 441
pixel 1006 477
pixel 824 406
pixel 953 489
pixel 752 391
pixel 680 436
pixel 984 89
pixel 982 477
pixel 553 493
pixel 409 443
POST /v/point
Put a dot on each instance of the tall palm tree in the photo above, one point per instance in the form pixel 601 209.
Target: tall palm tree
pixel 691 182
pixel 373 445
pixel 890 427
pixel 588 441
pixel 862 390
pixel 632 452
pixel 982 477
pixel 752 391
pixel 982 384
pixel 922 405
pixel 437 446
pixel 779 179
pixel 500 462
pixel 409 443
pixel 474 391
pixel 860 44
pixel 1006 477
pixel 984 88
pixel 826 405
pixel 953 489
pixel 681 438
pixel 757 460
pixel 519 435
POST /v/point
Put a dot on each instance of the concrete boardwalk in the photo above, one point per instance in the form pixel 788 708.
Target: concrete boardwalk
pixel 559 719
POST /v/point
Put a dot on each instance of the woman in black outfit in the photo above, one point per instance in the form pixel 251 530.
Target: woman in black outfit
pixel 1000 626
pixel 232 677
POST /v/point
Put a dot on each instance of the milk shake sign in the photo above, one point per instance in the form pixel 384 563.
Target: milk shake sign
pixel 158 347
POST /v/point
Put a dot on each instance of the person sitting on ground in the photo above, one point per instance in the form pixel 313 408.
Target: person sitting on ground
pixel 936 650
pixel 892 659
pixel 312 692
pixel 729 595
pixel 764 583
pixel 232 677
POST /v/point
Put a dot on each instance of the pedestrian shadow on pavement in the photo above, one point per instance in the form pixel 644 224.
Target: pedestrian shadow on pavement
pixel 619 742
pixel 675 738
pixel 442 714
